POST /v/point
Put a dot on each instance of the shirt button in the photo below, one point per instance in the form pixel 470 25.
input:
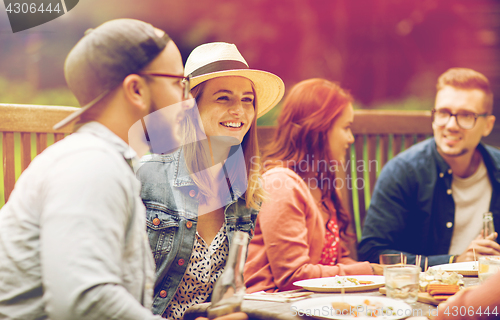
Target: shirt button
pixel 189 224
pixel 180 262
pixel 156 221
pixel 163 293
pixel 441 175
pixel 192 193
pixel 449 224
pixel 450 171
pixel 448 191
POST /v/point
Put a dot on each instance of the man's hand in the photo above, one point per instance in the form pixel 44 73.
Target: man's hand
pixel 457 295
pixel 445 304
pixel 232 316
pixel 482 247
pixel 377 269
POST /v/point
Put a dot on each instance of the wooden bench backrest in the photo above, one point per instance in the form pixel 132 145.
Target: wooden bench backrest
pixel 26 130
pixel 379 136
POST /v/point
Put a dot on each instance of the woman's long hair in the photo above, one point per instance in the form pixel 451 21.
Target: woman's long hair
pixel 301 138
pixel 197 160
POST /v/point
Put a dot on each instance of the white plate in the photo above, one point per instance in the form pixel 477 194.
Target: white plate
pixel 330 284
pixel 321 308
pixel 463 268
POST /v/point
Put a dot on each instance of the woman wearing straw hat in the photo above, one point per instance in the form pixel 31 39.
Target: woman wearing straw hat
pixel 198 196
pixel 302 228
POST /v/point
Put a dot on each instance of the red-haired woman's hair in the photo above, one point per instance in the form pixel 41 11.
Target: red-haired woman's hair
pixel 301 137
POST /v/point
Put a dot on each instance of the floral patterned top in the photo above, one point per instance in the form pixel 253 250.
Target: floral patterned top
pixel 205 266
pixel 331 248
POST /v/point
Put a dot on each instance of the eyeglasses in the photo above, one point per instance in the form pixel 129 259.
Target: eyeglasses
pixel 185 81
pixel 465 120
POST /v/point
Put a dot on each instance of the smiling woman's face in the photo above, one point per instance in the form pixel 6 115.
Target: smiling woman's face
pixel 226 107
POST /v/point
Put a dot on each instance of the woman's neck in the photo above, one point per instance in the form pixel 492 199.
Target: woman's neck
pixel 217 151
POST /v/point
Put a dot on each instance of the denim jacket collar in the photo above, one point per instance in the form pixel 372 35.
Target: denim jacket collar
pixel 492 164
pixel 182 177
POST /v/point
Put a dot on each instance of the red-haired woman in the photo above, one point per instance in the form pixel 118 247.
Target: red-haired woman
pixel 300 227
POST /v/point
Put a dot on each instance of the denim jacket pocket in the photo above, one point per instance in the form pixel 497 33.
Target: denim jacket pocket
pixel 162 227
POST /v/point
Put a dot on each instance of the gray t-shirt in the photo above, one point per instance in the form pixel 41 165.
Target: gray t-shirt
pixel 472 197
pixel 73 241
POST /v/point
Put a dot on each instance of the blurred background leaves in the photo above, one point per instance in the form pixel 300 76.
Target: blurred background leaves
pixel 388 53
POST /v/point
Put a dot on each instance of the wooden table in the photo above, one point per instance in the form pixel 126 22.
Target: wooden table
pixel 264 310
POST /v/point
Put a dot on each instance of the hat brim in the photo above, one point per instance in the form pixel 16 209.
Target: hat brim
pixel 268 87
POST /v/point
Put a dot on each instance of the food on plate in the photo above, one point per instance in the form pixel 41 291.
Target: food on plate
pixel 436 289
pixel 368 308
pixel 342 307
pixel 359 282
pixel 337 282
pixel 442 292
pixel 438 276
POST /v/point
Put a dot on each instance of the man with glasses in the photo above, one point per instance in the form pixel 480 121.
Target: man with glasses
pixel 430 199
pixel 73 241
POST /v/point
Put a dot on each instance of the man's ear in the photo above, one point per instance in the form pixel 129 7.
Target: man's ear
pixel 136 91
pixel 490 122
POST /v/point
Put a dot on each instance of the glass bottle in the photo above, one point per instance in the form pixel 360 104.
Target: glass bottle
pixel 229 289
pixel 488 226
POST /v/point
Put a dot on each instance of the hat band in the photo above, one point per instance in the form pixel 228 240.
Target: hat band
pixel 221 65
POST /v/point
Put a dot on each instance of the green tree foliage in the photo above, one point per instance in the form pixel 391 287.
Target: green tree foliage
pixel 22 92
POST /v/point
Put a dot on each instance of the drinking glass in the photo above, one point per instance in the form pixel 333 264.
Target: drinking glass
pixel 401 282
pixel 488 266
pixel 390 258
pixel 488 226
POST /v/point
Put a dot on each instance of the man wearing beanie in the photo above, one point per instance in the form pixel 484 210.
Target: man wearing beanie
pixel 73 243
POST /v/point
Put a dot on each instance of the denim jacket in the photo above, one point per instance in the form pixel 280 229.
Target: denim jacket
pixel 169 195
pixel 412 209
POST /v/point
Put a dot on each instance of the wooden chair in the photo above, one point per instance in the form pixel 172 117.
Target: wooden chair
pixel 26 130
pixel 379 136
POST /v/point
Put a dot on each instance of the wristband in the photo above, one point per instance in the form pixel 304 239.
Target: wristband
pixel 453 259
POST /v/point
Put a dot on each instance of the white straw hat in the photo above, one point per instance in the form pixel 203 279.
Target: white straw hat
pixel 220 59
